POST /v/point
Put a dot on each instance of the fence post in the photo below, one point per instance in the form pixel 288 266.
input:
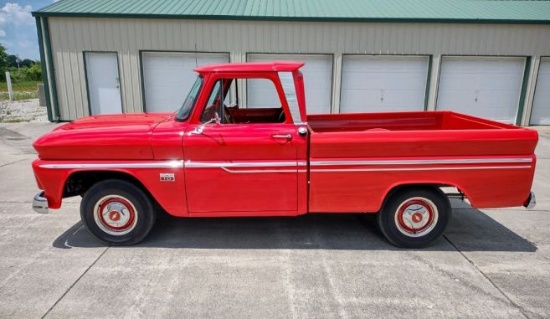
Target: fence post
pixel 10 90
pixel 41 95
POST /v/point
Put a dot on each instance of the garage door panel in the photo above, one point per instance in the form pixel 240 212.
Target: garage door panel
pixel 168 77
pixel 317 73
pixel 484 87
pixel 383 83
pixel 494 110
pixel 484 82
pixel 541 102
pixel 386 100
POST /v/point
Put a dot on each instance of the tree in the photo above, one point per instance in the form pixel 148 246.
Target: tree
pixel 20 69
pixel 3 62
pixel 27 63
pixel 12 61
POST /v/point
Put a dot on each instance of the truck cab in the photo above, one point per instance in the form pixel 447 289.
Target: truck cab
pixel 258 153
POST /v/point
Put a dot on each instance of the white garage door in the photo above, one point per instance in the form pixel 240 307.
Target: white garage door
pixel 168 77
pixel 541 104
pixel 383 83
pixel 484 87
pixel 317 80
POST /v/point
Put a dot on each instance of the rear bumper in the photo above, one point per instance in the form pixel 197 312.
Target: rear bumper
pixel 531 201
pixel 40 203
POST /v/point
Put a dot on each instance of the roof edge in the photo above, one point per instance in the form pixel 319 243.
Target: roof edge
pixel 286 19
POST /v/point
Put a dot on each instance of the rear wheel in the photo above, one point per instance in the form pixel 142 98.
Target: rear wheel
pixel 415 217
pixel 117 212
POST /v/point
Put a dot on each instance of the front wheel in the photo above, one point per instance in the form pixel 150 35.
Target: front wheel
pixel 414 218
pixel 117 212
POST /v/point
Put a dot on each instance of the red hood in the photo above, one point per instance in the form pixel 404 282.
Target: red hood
pixel 115 137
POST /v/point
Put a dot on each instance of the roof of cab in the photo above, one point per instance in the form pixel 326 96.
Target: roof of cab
pixel 276 66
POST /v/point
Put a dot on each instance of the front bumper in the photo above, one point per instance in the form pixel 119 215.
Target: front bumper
pixel 531 201
pixel 40 203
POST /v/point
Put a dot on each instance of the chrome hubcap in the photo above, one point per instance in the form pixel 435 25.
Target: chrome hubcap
pixel 416 217
pixel 115 215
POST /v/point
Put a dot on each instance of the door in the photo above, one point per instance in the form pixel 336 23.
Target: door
pixel 383 83
pixel 317 73
pixel 485 87
pixel 541 103
pixel 246 164
pixel 103 83
pixel 168 76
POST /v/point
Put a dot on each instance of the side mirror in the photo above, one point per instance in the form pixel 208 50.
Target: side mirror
pixel 200 129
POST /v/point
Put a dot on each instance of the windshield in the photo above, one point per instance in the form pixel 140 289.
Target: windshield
pixel 189 102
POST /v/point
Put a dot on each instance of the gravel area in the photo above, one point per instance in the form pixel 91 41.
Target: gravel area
pixel 22 111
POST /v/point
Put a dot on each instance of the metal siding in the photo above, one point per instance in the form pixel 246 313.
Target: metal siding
pixel 72 36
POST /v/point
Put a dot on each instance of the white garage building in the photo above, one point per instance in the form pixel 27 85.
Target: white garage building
pixel 487 58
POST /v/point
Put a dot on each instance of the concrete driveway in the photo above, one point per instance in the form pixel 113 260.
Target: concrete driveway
pixel 490 264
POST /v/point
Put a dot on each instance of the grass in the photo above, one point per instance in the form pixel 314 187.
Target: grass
pixel 21 90
pixel 19 96
pixel 20 86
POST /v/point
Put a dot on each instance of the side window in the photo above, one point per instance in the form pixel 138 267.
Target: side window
pixel 215 92
pixel 261 93
pixel 214 109
pixel 263 104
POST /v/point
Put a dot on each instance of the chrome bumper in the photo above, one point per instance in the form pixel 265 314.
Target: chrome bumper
pixel 531 201
pixel 40 203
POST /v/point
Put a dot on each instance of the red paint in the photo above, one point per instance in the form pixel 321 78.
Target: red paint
pixel 269 169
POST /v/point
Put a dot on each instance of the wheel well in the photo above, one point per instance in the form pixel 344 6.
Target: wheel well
pixel 436 187
pixel 79 182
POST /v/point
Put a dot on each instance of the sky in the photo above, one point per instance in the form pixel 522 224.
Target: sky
pixel 18 27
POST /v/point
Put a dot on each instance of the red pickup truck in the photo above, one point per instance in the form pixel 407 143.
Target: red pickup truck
pixel 215 157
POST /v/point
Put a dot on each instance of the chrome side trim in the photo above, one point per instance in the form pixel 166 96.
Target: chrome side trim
pixel 258 171
pixel 422 162
pixel 254 167
pixel 40 203
pixel 408 169
pixel 152 164
pixel 314 164
pixel 226 165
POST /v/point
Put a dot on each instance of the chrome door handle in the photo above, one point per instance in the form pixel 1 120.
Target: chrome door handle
pixel 282 136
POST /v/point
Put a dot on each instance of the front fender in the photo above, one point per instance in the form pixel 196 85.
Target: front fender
pixel 164 180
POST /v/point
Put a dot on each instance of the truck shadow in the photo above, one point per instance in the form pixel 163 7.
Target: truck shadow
pixel 469 230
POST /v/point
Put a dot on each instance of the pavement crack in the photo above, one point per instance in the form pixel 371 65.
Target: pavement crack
pixel 19 161
pixel 74 283
pixel 14 201
pixel 523 311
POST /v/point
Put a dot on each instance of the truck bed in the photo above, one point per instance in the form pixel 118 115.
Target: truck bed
pixel 402 121
pixel 357 158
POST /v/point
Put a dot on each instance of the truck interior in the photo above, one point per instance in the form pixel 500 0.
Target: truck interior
pixel 258 110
